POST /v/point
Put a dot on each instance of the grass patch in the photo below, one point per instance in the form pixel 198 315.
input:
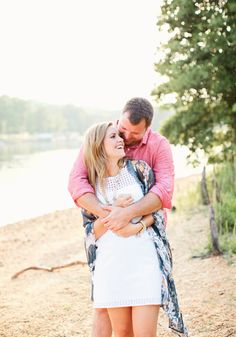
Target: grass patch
pixel 225 208
pixel 228 243
pixel 188 200
pixel 187 193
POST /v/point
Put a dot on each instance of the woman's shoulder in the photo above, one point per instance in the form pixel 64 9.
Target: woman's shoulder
pixel 143 171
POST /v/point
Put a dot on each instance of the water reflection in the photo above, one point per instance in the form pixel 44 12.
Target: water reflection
pixel 13 154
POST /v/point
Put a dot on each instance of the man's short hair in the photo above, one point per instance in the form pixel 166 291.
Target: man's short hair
pixel 138 109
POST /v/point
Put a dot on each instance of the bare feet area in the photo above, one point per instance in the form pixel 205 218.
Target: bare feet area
pixel 57 304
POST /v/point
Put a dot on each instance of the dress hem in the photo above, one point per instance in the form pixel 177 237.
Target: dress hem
pixel 128 303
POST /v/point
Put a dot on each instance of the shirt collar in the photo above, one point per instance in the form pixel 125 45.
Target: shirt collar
pixel 146 135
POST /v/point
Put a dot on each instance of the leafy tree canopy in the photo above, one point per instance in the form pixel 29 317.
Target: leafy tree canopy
pixel 199 62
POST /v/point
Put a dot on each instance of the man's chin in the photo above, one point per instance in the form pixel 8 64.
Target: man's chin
pixel 131 143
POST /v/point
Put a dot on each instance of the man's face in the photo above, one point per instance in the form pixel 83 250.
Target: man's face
pixel 132 134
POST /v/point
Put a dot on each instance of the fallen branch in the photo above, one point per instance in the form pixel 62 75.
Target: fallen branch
pixel 49 269
pixel 202 256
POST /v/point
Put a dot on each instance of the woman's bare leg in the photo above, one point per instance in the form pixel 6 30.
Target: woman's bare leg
pixel 101 324
pixel 121 321
pixel 144 319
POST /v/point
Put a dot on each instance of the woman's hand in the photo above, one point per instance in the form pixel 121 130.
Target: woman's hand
pixel 129 230
pixel 123 200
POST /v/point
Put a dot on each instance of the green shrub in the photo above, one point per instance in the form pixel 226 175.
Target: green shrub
pixel 226 213
pixel 225 210
pixel 228 243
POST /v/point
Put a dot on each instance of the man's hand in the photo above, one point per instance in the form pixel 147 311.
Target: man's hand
pixel 118 218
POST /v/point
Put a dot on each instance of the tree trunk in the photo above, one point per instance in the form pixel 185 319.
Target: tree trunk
pixel 213 226
pixel 234 172
pixel 216 190
pixel 204 193
pixel 234 150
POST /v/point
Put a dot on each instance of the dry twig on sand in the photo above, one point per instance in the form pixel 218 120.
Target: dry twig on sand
pixel 49 269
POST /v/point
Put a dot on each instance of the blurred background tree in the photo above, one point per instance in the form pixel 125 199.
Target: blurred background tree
pixel 24 116
pixel 199 62
pixel 199 66
pixel 19 116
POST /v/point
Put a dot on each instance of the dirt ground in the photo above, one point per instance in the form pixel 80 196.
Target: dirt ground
pixel 57 304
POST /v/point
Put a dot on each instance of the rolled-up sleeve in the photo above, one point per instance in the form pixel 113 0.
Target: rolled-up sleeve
pixel 163 167
pixel 78 179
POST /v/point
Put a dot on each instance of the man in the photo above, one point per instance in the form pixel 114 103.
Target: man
pixel 140 143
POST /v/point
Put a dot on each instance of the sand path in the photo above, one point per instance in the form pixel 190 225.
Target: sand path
pixel 42 304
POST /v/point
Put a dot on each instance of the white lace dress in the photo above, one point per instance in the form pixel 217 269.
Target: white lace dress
pixel 127 271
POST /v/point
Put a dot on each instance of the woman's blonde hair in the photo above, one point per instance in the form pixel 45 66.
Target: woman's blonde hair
pixel 94 152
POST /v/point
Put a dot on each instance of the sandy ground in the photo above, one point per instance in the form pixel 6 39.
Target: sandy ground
pixel 57 304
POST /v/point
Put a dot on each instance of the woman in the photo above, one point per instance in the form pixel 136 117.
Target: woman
pixel 131 268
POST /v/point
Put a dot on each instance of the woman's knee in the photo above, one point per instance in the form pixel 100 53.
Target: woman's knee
pixel 123 332
pixel 145 333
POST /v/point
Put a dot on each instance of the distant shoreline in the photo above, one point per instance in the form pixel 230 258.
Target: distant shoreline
pixel 39 137
pixel 191 178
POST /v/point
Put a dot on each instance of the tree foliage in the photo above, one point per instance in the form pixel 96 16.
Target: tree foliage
pixel 17 116
pixel 199 62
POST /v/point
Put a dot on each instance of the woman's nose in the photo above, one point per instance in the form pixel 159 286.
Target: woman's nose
pixel 120 138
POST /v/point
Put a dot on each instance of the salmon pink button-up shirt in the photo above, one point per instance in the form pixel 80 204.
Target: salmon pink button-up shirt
pixel 153 149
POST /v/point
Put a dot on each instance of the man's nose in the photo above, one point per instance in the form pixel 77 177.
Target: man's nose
pixel 126 135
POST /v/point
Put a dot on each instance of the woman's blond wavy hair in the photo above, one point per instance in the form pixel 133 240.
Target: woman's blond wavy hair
pixel 94 153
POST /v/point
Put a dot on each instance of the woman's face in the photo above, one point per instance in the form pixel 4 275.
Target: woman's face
pixel 113 144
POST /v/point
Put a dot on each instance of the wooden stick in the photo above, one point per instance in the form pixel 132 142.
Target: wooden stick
pixel 213 226
pixel 49 269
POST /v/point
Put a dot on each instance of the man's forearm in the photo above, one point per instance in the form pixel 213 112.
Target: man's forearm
pixel 90 202
pixel 148 204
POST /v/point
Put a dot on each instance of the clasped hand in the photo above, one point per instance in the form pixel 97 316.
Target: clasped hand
pixel 118 218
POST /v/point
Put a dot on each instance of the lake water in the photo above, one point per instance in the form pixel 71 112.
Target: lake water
pixel 34 178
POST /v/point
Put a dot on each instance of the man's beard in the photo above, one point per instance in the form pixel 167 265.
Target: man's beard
pixel 131 142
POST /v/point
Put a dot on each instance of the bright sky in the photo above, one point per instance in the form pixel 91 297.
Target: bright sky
pixel 96 53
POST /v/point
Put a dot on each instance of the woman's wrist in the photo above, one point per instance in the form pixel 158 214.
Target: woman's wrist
pixel 138 227
pixel 142 226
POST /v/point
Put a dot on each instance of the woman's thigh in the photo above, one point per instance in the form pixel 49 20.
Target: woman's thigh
pixel 144 320
pixel 121 321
